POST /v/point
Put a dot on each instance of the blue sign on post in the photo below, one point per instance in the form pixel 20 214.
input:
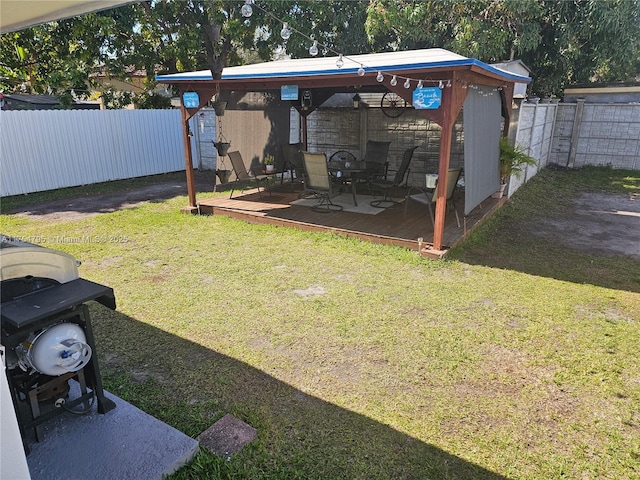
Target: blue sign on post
pixel 289 92
pixel 428 98
pixel 190 100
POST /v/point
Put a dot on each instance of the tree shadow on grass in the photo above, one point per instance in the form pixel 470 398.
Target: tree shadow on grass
pixel 299 436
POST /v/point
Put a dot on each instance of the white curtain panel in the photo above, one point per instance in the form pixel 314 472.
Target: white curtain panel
pixel 482 128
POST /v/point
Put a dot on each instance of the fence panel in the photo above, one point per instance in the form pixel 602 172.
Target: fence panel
pixel 49 149
pixel 535 131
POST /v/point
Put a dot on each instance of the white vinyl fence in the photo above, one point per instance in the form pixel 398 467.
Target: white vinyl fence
pixel 48 149
pixel 534 136
pixel 577 134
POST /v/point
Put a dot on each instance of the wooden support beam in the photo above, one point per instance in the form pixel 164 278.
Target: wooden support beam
pixel 188 161
pixel 205 92
pixel 452 100
pixel 506 98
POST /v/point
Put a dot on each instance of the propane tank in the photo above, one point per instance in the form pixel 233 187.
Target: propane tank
pixel 56 350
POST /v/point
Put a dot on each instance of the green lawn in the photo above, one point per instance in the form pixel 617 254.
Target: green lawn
pixel 513 358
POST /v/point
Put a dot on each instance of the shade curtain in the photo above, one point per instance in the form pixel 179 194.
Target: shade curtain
pixel 482 129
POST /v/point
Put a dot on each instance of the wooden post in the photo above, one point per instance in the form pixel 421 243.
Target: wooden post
pixel 443 170
pixel 506 99
pixel 452 100
pixel 188 162
pixel 204 94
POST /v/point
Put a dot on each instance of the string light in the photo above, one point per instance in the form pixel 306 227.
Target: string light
pixel 313 49
pixel 285 33
pixel 246 9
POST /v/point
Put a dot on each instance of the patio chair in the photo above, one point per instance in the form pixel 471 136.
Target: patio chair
pixel 317 182
pixel 387 186
pixel 429 197
pixel 244 177
pixel 376 156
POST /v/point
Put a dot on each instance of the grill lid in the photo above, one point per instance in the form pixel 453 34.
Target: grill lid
pixel 20 259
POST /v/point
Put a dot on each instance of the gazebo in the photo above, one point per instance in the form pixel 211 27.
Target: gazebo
pixel 436 82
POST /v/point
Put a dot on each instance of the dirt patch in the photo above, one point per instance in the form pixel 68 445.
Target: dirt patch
pixel 71 209
pixel 600 222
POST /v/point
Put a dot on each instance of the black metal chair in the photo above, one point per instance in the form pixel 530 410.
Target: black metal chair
pixel 317 182
pixel 376 156
pixel 387 186
pixel 244 177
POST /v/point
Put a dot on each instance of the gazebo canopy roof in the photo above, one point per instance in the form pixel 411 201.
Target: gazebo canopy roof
pixel 428 65
pixel 397 72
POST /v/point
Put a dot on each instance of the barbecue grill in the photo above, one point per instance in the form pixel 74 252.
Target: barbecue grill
pixel 47 335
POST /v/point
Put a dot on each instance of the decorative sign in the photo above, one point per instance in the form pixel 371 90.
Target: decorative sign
pixel 428 98
pixel 289 92
pixel 190 100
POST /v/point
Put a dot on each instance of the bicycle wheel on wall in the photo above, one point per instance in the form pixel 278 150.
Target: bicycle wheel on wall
pixel 392 104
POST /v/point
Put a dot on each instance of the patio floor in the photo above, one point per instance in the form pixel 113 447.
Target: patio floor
pixel 390 226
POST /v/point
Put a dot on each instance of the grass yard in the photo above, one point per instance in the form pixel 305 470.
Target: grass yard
pixel 517 357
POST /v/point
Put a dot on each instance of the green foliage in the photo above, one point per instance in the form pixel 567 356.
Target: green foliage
pixel 512 159
pixel 562 42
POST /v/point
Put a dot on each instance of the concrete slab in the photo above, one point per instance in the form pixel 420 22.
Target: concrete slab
pixel 227 436
pixel 123 443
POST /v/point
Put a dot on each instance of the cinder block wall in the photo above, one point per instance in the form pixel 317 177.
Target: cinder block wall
pixel 333 129
pixel 607 135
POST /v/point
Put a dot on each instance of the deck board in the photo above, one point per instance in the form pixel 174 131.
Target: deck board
pixel 390 227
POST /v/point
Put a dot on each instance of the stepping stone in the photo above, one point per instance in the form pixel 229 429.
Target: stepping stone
pixel 227 436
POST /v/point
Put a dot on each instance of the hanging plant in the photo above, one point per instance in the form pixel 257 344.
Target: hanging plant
pixel 222 145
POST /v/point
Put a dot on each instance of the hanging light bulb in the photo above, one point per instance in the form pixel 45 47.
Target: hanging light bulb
pixel 285 33
pixel 407 83
pixel 380 77
pixel 448 83
pixel 361 71
pixel 440 85
pixel 420 84
pixel 340 61
pixel 394 81
pixel 313 49
pixel 246 9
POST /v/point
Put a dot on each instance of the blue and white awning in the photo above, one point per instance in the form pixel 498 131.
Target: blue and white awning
pixel 390 62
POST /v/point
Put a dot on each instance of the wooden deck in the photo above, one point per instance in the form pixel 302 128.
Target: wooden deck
pixel 390 227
